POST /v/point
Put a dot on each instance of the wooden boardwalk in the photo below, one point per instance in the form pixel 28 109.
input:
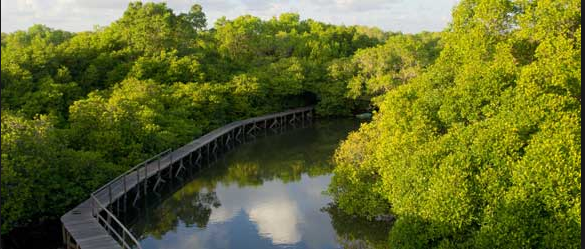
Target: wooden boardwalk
pixel 93 223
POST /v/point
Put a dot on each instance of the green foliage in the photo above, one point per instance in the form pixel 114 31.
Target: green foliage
pixel 36 164
pixel 196 17
pixel 482 149
pixel 358 232
pixel 111 97
pixel 150 28
pixel 167 67
pixel 387 66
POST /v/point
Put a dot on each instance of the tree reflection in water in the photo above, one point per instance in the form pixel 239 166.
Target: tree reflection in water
pixel 249 179
pixel 357 232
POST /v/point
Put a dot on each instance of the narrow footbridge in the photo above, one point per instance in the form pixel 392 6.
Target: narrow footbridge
pixel 93 223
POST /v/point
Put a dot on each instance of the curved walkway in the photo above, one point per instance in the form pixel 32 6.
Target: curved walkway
pixel 93 223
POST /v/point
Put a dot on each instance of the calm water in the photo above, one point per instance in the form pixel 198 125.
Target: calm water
pixel 263 194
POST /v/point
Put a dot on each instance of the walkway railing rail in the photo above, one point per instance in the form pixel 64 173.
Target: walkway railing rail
pixel 135 168
pixel 107 223
pixel 81 223
pixel 98 207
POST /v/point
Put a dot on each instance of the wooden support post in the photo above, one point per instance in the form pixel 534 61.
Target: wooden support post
pixel 180 167
pixel 191 159
pixel 158 178
pixel 146 179
pixel 283 122
pixel 137 187
pixel 125 193
pixel 136 196
pixel 198 160
pixel 63 233
pixel 68 243
pixel 239 131
pixel 254 127
pixel 117 206
pixel 92 206
pixel 158 170
pixel 233 134
pixel 215 150
pixel 208 156
pixel 110 195
pixel 221 139
pixel 171 167
pixel 251 131
pixel 274 123
pixel 108 220
pixel 227 140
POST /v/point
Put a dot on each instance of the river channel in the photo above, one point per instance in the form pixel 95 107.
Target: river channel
pixel 266 193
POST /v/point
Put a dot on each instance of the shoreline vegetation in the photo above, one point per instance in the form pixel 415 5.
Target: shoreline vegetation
pixel 475 136
pixel 482 149
pixel 80 108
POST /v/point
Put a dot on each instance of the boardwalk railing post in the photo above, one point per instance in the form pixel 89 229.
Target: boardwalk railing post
pixel 171 167
pixel 145 179
pixel 208 157
pixel 191 159
pixel 125 191
pixel 137 186
pixel 92 206
pixel 109 217
pixel 198 161
pixel 110 194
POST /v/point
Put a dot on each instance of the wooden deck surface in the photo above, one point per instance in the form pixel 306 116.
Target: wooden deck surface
pixel 85 229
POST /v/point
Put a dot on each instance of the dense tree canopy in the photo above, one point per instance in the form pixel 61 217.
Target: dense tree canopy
pixel 483 149
pixel 79 108
pixel 475 141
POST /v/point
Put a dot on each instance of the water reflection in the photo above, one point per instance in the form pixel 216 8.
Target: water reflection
pixel 264 194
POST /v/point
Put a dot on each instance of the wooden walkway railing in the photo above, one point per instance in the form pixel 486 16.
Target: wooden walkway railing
pixel 93 223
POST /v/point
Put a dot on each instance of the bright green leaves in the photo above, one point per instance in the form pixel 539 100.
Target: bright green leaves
pixel 167 67
pixel 549 18
pixel 482 149
pixel 151 28
pixel 36 164
pixel 239 39
pixel 557 70
pixel 356 184
pixel 387 66
pixel 115 125
pixel 284 77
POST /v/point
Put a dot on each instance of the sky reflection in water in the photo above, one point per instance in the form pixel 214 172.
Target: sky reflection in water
pixel 264 194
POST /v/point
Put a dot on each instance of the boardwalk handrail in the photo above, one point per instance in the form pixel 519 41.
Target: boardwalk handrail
pixel 107 223
pixel 144 163
pixel 96 209
pixel 109 215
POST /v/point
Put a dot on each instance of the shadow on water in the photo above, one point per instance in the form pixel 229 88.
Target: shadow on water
pixel 266 193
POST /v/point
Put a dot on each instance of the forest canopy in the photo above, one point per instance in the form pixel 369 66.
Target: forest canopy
pixel 483 149
pixel 80 108
pixel 475 140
